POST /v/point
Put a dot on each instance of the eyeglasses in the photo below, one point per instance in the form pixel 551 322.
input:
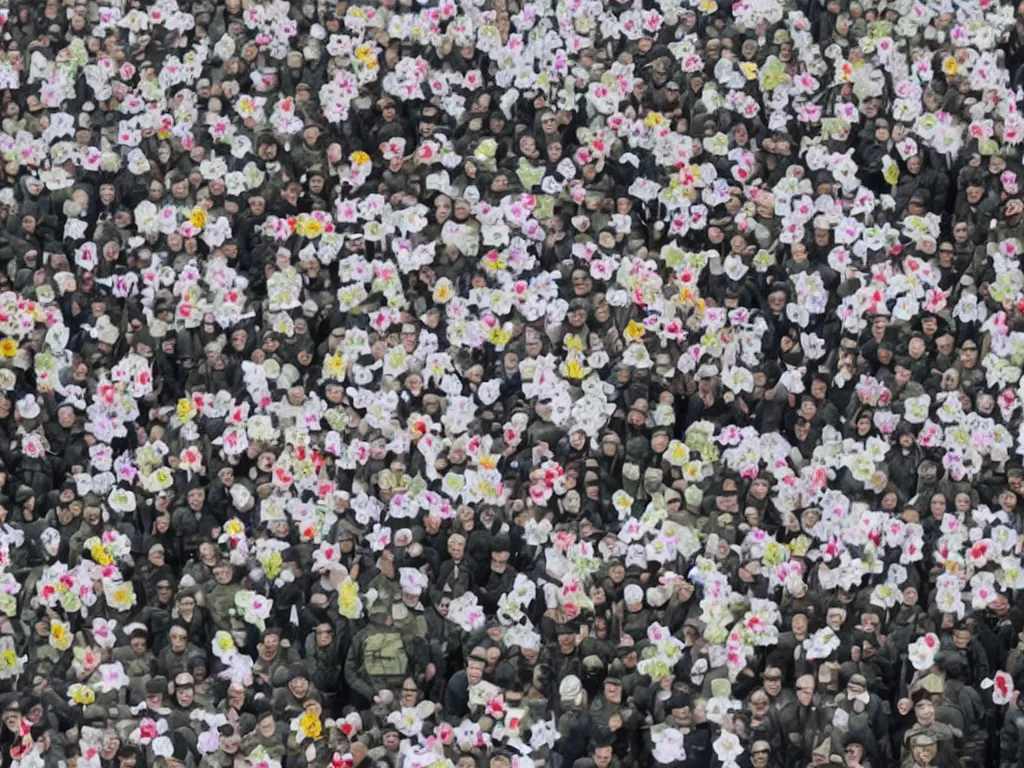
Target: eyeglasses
pixel 773 678
pixel 760 752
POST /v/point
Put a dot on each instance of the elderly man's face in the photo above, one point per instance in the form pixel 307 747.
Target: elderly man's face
pixel 924 755
pixel 299 687
pixel 179 639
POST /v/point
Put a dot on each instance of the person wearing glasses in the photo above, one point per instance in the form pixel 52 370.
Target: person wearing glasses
pixel 778 695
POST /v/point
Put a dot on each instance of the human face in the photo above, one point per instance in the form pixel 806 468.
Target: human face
pixel 924 755
pixel 196 498
pixel 267 727
pixel 613 693
pixel 231 742
pixel 179 639
pixel 499 561
pixel 474 671
pixel 456 548
pixel 410 694
pixel 805 690
pixel 567 643
pixel 324 635
pixel 969 354
pixel 66 417
pixel 270 644
pixel 961 638
pixel 854 754
pixel 924 710
pixel 773 681
pixel 299 687
pixel 759 703
pixel 603 757
pixel 207 553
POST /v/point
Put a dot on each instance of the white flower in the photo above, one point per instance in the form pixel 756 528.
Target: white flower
pixel 821 643
pixel 668 745
pixel 538 534
pixel 1002 688
pixel 623 503
pixel 922 651
pixel 738 379
pixel 112 677
pixel 727 747
pixel 636 356
pixel 1011 574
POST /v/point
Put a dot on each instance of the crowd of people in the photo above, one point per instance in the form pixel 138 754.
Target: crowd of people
pixel 511 384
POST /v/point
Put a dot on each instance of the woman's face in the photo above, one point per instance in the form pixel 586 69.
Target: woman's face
pixel 809 519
